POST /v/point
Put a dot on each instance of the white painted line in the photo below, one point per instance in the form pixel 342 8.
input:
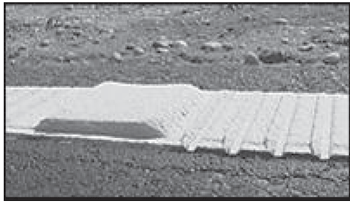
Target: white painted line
pixel 299 137
pixel 322 127
pixel 277 136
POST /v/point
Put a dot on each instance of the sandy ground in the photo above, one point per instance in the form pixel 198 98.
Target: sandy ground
pixel 299 48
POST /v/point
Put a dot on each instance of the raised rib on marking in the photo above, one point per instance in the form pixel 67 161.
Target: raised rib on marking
pixel 322 127
pixel 299 137
pixel 340 130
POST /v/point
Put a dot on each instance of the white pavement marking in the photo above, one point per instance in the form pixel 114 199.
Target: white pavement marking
pixel 277 136
pixel 340 130
pixel 321 136
pixel 276 122
pixel 299 137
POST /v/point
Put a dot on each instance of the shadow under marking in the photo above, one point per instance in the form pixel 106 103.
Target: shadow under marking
pixel 129 130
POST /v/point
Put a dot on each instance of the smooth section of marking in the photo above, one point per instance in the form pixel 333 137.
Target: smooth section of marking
pixel 277 136
pixel 48 107
pixel 299 137
pixel 321 136
pixel 340 129
pixel 28 103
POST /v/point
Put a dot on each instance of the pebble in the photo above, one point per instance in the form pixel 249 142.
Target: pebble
pixel 251 59
pixel 117 56
pixel 306 47
pixel 162 50
pixel 281 21
pixel 332 58
pixel 139 50
pixel 328 29
pixel 227 46
pixel 211 46
pixel 179 43
pixel 44 43
pixel 272 56
pixel 284 40
pixel 161 44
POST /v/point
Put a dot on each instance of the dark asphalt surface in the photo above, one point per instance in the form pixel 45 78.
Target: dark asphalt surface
pixel 58 167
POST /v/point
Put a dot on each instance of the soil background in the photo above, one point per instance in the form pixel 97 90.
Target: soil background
pixel 265 47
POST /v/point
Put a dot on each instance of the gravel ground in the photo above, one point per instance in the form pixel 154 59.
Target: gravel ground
pixel 57 167
pixel 299 48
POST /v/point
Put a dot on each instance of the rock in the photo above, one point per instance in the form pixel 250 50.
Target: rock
pixel 162 50
pixel 227 46
pixel 179 43
pixel 332 58
pixel 211 46
pixel 284 40
pixel 272 56
pixel 139 50
pixel 328 29
pixel 251 59
pixel 117 56
pixel 281 21
pixel 44 43
pixel 306 47
pixel 162 44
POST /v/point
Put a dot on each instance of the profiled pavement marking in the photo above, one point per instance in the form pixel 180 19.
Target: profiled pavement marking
pixel 178 113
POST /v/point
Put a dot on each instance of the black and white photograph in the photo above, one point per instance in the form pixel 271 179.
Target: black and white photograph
pixel 176 101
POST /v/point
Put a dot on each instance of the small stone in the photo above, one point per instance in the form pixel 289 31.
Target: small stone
pixel 284 40
pixel 162 44
pixel 251 59
pixel 60 31
pixel 281 21
pixel 211 46
pixel 247 17
pixel 227 46
pixel 162 50
pixel 117 56
pixel 179 43
pixel 44 43
pixel 306 47
pixel 332 58
pixel 138 50
pixel 328 29
pixel 272 56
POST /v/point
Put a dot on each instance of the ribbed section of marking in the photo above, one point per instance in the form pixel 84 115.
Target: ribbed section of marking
pixel 299 137
pixel 277 136
pixel 261 124
pixel 321 136
pixel 197 123
pixel 247 105
pixel 340 127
